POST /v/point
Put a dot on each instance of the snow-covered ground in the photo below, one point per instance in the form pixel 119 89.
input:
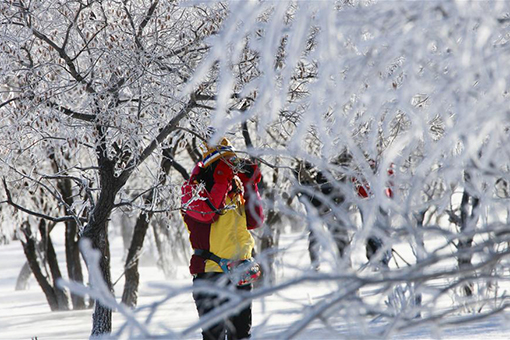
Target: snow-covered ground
pixel 26 315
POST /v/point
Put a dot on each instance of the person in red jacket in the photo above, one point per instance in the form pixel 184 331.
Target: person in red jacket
pixel 374 243
pixel 220 204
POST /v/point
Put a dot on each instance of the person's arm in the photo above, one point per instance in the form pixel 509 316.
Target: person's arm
pixel 253 202
pixel 206 206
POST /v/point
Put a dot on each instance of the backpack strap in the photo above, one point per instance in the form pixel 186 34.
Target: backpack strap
pixel 247 272
pixel 206 254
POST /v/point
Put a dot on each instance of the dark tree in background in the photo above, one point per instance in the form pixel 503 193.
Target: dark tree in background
pixel 98 85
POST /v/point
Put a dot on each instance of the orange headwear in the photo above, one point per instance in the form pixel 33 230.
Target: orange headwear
pixel 223 150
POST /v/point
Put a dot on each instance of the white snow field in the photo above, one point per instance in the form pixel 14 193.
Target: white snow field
pixel 26 315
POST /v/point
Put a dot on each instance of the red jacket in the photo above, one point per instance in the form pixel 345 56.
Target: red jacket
pixel 363 188
pixel 218 220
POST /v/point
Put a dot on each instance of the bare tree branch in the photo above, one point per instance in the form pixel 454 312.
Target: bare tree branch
pixel 164 133
pixel 68 112
pixel 9 101
pixel 147 18
pixel 33 213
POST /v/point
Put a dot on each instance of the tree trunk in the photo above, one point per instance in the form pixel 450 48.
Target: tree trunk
pixel 130 294
pixel 97 231
pixel 29 247
pixel 420 256
pixel 73 262
pixel 74 269
pixel 97 227
pixel 467 223
pixel 51 258
pixel 24 275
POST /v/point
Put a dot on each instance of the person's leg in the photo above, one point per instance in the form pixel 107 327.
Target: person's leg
pixel 339 232
pixel 373 246
pixel 341 239
pixel 205 303
pixel 239 325
pixel 375 243
pixel 313 245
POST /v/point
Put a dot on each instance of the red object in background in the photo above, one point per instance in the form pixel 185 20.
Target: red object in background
pixel 363 188
pixel 389 192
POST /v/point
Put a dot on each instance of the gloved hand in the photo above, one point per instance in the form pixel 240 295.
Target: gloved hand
pixel 251 174
pixel 223 173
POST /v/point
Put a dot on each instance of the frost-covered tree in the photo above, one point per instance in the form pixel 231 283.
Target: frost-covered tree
pixel 418 88
pixel 98 84
pixel 414 93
